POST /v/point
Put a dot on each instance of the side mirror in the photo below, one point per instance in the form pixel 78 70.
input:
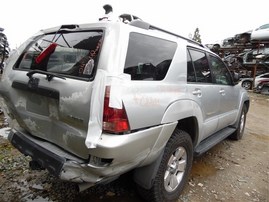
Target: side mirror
pixel 236 77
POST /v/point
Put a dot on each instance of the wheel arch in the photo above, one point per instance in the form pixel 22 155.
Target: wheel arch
pixel 189 116
pixel 246 103
pixel 243 102
pixel 190 125
pixel 187 121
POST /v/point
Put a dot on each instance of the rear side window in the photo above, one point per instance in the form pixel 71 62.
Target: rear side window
pixel 72 54
pixel 148 58
pixel 201 67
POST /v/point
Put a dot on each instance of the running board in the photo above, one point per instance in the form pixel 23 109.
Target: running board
pixel 212 140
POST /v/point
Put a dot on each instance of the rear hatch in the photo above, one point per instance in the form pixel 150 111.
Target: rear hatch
pixel 49 87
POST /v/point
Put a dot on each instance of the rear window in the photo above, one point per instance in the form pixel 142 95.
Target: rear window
pixel 73 54
pixel 148 58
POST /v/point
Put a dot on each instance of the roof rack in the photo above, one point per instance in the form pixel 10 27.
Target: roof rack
pixel 147 26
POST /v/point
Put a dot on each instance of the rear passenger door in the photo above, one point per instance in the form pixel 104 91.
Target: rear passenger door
pixel 202 91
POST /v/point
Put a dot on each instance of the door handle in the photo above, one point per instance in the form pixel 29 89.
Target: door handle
pixel 197 92
pixel 222 91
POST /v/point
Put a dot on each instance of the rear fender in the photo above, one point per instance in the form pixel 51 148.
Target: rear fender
pixel 144 176
pixel 183 109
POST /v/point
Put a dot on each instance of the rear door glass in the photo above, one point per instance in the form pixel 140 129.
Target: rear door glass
pixel 73 54
pixel 201 67
pixel 148 58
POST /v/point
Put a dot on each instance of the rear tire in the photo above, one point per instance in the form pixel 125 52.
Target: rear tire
pixel 174 170
pixel 238 134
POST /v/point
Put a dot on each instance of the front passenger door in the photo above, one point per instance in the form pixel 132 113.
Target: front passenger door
pixel 227 92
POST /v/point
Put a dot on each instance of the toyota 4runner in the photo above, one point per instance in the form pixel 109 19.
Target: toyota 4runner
pixel 95 101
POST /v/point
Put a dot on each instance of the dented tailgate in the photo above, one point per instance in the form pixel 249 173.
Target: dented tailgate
pixel 48 86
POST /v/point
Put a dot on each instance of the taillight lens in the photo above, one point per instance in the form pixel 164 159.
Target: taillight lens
pixel 114 120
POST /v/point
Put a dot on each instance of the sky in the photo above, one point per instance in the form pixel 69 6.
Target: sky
pixel 216 20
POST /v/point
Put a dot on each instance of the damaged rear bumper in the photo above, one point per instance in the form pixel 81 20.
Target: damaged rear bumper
pixel 58 162
pixel 114 155
pixel 44 157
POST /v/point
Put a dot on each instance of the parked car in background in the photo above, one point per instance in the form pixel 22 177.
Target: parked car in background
pixel 253 57
pixel 261 33
pixel 242 38
pixel 227 42
pixel 263 88
pixel 261 78
pixel 256 55
pixel 248 82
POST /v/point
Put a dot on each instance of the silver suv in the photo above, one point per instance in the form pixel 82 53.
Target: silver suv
pixel 95 101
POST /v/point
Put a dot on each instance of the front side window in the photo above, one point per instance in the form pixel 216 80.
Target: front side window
pixel 148 58
pixel 221 74
pixel 72 54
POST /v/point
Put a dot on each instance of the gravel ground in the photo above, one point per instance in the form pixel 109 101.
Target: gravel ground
pixel 231 171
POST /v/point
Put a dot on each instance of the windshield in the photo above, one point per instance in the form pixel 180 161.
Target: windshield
pixel 73 54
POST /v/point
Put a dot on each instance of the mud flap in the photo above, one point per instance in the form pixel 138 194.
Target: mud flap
pixel 144 176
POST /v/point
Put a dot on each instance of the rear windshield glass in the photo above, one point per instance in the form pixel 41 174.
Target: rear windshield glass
pixel 148 58
pixel 73 54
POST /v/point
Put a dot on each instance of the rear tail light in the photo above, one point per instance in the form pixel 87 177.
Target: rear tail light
pixel 114 120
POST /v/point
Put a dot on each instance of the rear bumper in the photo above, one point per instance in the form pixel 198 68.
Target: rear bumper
pixel 113 156
pixel 57 161
pixel 44 157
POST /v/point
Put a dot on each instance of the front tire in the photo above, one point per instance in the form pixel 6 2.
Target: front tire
pixel 173 171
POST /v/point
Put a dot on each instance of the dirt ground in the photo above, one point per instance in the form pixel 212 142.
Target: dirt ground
pixel 231 171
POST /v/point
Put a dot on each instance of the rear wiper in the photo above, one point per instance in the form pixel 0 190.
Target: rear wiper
pixel 49 75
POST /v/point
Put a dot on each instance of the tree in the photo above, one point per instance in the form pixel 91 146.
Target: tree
pixel 197 36
pixel 4 48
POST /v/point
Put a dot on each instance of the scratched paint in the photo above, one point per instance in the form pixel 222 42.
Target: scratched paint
pixel 53 112
pixel 21 103
pixel 31 125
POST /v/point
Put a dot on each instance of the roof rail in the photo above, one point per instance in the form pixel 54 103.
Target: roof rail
pixel 147 26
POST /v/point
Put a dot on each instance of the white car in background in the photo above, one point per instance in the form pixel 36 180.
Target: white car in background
pixel 248 82
pixel 261 78
pixel 261 33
